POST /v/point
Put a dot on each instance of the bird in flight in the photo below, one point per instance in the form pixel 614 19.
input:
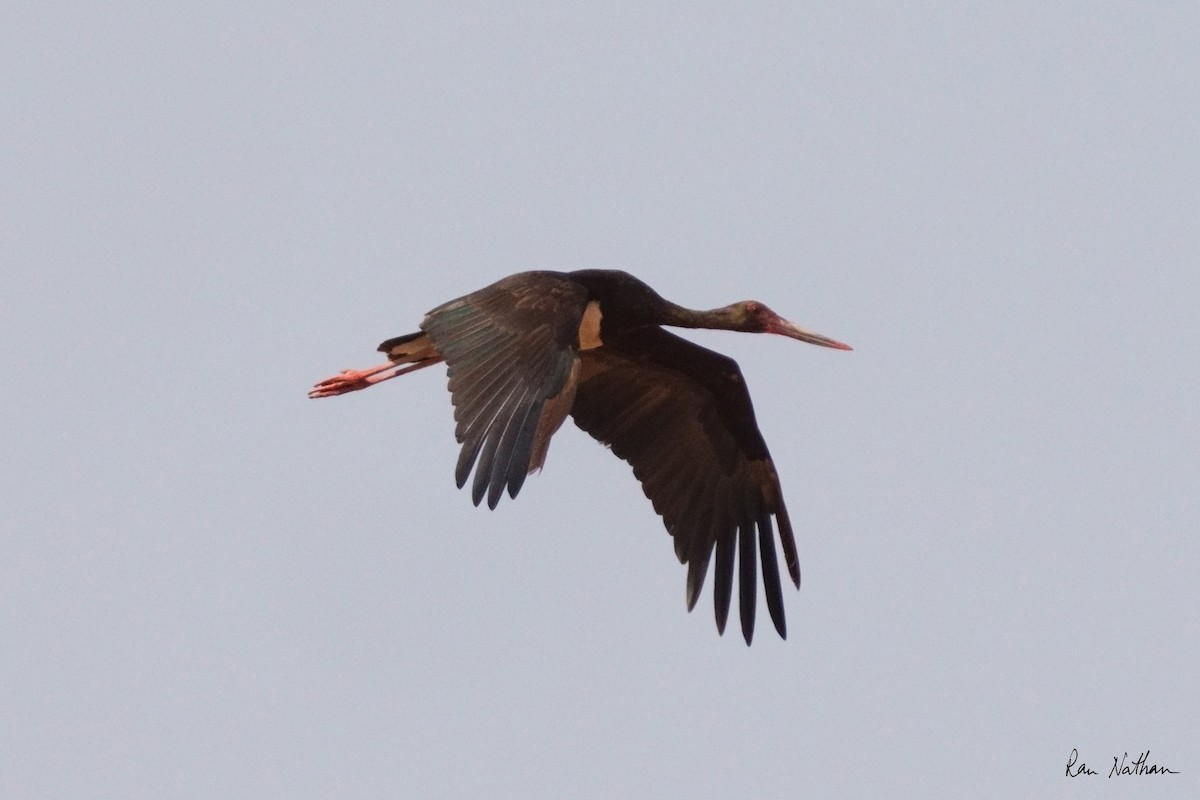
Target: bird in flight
pixel 532 348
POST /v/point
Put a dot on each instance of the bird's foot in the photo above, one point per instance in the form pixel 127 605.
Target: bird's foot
pixel 352 380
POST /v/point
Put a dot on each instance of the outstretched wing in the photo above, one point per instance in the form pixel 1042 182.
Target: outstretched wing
pixel 511 351
pixel 681 416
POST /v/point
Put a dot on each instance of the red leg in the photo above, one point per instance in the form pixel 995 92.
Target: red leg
pixel 352 380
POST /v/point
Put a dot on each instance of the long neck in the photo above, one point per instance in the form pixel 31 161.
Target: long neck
pixel 715 319
pixel 627 302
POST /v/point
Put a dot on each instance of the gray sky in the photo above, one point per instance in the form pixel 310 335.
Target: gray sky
pixel 211 586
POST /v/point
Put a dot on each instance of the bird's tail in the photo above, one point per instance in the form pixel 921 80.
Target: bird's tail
pixel 412 348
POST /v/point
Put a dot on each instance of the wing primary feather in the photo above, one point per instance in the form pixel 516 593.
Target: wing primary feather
pixel 686 528
pixel 770 572
pixel 704 534
pixel 516 447
pixel 787 539
pixel 483 467
pixel 522 451
pixel 466 460
pixel 475 437
pixel 478 417
pixel 747 574
pixel 508 438
pixel 723 578
pixel 697 569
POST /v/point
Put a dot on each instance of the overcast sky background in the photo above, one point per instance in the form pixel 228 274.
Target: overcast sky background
pixel 211 586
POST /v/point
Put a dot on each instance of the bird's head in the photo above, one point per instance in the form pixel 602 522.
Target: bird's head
pixel 752 316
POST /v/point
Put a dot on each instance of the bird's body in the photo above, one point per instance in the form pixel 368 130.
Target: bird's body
pixel 532 348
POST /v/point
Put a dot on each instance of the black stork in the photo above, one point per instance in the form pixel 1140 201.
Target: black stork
pixel 526 351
